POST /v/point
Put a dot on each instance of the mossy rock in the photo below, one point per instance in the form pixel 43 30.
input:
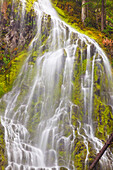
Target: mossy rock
pixel 7 78
pixel 79 154
pixel 3 155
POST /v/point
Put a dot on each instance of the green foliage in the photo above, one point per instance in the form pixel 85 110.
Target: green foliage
pixel 93 15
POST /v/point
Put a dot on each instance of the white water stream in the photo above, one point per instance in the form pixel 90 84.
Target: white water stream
pixel 39 133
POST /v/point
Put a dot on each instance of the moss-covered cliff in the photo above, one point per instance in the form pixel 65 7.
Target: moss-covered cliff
pixel 101 112
pixel 69 11
pixel 17 30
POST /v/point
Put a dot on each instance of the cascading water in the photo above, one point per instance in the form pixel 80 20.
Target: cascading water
pixel 38 118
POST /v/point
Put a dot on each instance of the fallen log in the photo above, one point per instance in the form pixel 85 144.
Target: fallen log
pixel 99 155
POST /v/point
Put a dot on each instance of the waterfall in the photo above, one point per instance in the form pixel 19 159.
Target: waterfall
pixel 51 105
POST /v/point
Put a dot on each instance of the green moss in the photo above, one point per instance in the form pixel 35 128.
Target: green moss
pixel 7 78
pixel 104 119
pixel 102 112
pixel 29 5
pixel 57 89
pixel 3 157
pixel 60 12
pixel 77 93
pixel 63 168
pixel 34 116
pixel 79 154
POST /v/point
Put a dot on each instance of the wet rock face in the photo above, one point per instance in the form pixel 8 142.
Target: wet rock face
pixel 16 30
pixel 3 157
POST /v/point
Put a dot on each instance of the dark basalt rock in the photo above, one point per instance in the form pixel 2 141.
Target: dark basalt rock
pixel 92 50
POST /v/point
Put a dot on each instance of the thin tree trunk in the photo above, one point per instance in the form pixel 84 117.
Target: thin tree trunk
pixel 97 15
pixel 83 13
pixel 103 15
pixel 109 141
pixel 87 8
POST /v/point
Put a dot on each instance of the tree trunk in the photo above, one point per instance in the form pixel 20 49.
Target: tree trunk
pixel 83 13
pixel 105 14
pixel 103 17
pixel 87 8
pixel 109 141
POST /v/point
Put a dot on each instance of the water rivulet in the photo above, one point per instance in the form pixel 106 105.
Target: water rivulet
pixel 60 107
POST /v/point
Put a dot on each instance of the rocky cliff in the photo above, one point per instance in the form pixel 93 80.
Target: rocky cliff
pixel 17 28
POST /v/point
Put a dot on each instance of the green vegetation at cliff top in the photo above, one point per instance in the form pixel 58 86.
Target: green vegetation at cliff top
pixel 92 32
